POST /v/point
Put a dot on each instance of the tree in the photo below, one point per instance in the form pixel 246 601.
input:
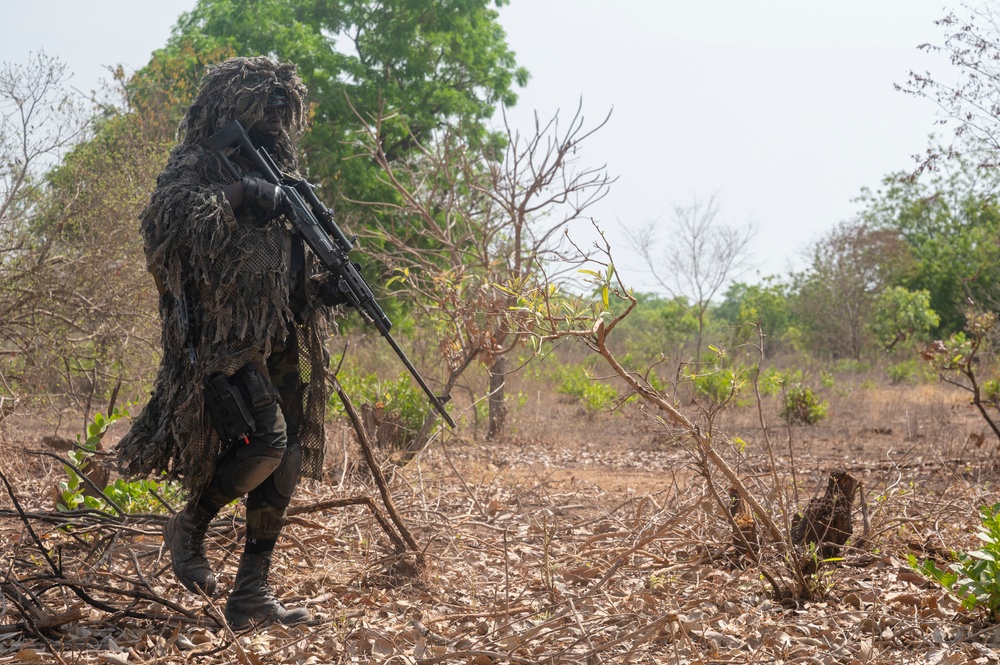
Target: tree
pixel 491 226
pixel 767 303
pixel 900 315
pixel 701 258
pixel 39 121
pixel 835 295
pixel 971 101
pixel 158 95
pixel 429 64
pixel 949 220
pixel 77 307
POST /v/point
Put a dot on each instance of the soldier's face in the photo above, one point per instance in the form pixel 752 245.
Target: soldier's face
pixel 267 130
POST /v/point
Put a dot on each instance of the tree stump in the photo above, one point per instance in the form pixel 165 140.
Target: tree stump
pixel 746 540
pixel 826 520
pixel 384 429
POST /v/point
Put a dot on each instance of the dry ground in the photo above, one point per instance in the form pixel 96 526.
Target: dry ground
pixel 574 540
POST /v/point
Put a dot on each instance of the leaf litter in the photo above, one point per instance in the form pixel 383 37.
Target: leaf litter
pixel 531 554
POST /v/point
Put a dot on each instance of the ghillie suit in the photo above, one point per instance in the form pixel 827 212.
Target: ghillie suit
pixel 240 310
pixel 235 270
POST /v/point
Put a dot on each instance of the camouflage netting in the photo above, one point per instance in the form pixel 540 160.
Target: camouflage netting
pixel 237 269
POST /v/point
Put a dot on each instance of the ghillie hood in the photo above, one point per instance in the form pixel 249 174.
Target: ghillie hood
pixel 239 88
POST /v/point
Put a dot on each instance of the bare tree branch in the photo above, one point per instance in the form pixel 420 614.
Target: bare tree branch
pixel 702 255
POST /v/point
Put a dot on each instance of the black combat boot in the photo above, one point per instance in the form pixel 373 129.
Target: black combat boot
pixel 252 602
pixel 184 534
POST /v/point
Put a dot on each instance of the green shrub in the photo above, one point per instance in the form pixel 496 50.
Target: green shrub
pixel 137 496
pixel 850 366
pixel 771 380
pixel 132 497
pixel 399 397
pixel 71 490
pixel 802 406
pixel 593 395
pixel 975 578
pixel 910 371
pixel 720 385
pixel 826 379
pixel 991 391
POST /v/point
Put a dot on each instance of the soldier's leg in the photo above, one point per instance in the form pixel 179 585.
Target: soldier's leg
pixel 244 465
pixel 252 600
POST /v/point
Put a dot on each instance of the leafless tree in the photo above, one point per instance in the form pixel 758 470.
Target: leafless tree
pixel 39 120
pixel 969 95
pixel 74 295
pixel 701 257
pixel 474 225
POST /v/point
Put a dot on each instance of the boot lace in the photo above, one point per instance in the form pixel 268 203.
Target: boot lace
pixel 195 542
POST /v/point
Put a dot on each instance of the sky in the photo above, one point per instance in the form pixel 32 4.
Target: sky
pixel 782 110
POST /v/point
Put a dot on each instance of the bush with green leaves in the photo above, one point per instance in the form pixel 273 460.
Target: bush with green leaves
pixel 71 494
pixel 975 578
pixel 910 371
pixel 399 397
pixel 771 381
pixel 139 496
pixel 580 383
pixel 991 391
pixel 849 366
pixel 719 385
pixel 802 406
pixel 717 378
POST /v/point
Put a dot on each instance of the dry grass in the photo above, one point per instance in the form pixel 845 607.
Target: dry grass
pixel 575 540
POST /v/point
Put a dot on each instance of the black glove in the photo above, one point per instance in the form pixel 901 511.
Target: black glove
pixel 267 200
pixel 329 294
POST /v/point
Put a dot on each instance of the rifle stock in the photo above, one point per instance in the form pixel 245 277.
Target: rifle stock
pixel 314 222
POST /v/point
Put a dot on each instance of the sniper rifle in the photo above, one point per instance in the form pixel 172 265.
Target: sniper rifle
pixel 315 224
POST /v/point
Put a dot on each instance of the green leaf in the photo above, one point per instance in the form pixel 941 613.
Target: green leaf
pixel 984 555
pixel 985 537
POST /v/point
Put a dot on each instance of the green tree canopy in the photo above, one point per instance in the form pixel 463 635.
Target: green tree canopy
pixel 900 314
pixel 432 63
pixel 768 302
pixel 950 220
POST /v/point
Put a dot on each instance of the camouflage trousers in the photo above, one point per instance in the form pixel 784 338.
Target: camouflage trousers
pixel 273 389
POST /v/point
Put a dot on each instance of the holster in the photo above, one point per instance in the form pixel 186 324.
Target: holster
pixel 227 408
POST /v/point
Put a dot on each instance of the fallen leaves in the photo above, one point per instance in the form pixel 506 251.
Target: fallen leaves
pixel 524 567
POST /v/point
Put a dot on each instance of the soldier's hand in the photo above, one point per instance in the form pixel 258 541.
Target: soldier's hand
pixel 267 200
pixel 330 294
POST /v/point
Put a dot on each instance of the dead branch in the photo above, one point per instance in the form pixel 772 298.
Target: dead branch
pixel 376 470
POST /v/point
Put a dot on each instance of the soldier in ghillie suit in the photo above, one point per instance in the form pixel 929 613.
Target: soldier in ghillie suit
pixel 243 331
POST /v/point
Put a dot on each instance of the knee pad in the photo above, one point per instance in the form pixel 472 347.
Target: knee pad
pixel 250 472
pixel 246 469
pixel 266 504
pixel 244 466
pixel 278 489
